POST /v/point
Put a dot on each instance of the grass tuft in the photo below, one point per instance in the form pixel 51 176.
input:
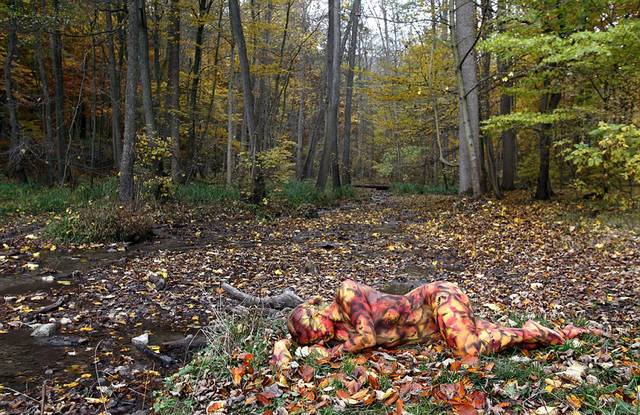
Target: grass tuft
pixel 409 188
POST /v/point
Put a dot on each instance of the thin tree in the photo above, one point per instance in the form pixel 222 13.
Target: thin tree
pixel 329 151
pixel 16 155
pixel 56 63
pixel 462 25
pixel 173 86
pixel 125 185
pixel 115 93
pixel 353 43
pixel 258 191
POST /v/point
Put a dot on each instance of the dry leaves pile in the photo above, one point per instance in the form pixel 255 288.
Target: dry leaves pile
pixel 515 260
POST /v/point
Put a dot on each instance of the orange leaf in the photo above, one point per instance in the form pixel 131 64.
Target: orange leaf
pixel 215 406
pixel 306 372
pixel 342 394
pixel 469 360
pixel 374 383
pixel 237 375
pixel 465 409
pixel 263 400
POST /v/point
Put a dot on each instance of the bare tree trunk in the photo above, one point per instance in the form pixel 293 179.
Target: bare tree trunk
pixel 230 124
pixel 48 113
pixel 145 81
pixel 548 103
pixel 249 110
pixel 125 186
pixel 462 21
pixel 203 10
pixel 300 126
pixel 173 86
pixel 56 61
pixel 509 152
pixel 116 100
pixel 16 154
pixel 353 43
pixel 329 151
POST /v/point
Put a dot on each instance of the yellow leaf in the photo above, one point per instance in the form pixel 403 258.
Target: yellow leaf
pixel 277 272
pixel 86 375
pixel 492 307
pixel 71 385
pixel 64 282
pixel 101 400
pixel 86 328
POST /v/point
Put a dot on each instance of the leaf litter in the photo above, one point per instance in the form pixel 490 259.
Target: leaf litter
pixel 515 260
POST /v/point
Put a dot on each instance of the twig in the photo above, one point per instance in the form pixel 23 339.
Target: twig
pixel 44 397
pixel 20 393
pixel 95 364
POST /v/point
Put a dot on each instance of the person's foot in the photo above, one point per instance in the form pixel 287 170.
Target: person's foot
pixel 535 333
pixel 572 331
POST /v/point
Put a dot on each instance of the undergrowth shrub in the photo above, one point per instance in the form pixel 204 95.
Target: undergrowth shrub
pixel 198 193
pixel 230 339
pixel 409 188
pixel 106 223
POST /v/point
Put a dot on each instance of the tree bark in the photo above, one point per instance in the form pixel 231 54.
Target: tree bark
pixel 17 150
pixel 509 152
pixel 300 126
pixel 173 86
pixel 116 99
pixel 48 112
pixel 329 151
pixel 548 103
pixel 145 81
pixel 353 43
pixel 462 21
pixel 56 63
pixel 203 10
pixel 258 192
pixel 230 125
pixel 125 186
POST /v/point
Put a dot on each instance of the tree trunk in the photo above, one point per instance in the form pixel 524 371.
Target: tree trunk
pixel 203 10
pixel 329 151
pixel 258 192
pixel 462 21
pixel 145 81
pixel 16 153
pixel 56 63
pixel 48 113
pixel 300 126
pixel 116 100
pixel 173 86
pixel 230 124
pixel 125 186
pixel 548 103
pixel 353 43
pixel 509 151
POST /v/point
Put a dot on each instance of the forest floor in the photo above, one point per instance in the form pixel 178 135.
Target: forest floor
pixel 516 259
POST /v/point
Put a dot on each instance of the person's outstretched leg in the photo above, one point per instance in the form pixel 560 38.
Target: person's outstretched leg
pixel 463 332
pixel 468 335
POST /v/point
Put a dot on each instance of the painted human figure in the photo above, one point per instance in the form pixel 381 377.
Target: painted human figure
pixel 360 317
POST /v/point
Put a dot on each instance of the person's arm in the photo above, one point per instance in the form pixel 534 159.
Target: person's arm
pixel 351 298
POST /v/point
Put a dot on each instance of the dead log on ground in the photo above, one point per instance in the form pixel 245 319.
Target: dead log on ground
pixel 145 350
pixel 183 345
pixel 288 299
pixel 46 309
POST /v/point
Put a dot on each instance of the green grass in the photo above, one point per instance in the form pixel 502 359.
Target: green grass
pixel 20 199
pixel 409 188
pixel 203 193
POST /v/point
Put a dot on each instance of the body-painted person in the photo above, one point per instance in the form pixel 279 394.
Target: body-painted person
pixel 360 317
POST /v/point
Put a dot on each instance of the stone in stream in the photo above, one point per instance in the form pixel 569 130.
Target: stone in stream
pixel 44 330
pixel 142 340
pixel 60 341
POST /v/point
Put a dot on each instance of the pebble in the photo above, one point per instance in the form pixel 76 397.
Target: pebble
pixel 45 330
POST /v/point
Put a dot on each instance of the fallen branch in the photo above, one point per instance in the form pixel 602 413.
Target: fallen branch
pixel 145 350
pixel 288 299
pixel 184 345
pixel 46 309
